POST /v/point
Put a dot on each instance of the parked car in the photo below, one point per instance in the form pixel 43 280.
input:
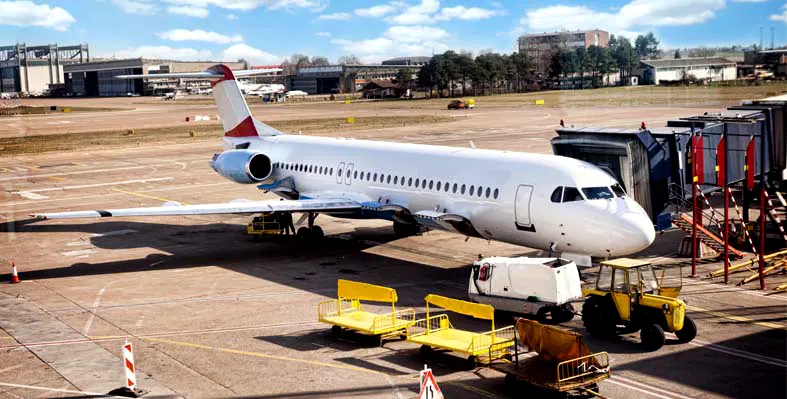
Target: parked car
pixel 457 104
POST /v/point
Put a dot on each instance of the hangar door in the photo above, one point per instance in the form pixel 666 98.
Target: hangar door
pixel 522 206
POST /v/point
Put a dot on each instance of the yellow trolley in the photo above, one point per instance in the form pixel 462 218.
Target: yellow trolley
pixel 346 311
pixel 265 224
pixel 436 332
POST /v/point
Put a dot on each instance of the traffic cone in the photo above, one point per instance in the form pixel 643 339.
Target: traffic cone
pixel 14 274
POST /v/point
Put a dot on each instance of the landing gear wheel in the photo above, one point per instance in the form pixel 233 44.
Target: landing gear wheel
pixel 303 233
pixel 426 351
pixel 317 234
pixel 336 331
pixel 652 336
pixel 688 332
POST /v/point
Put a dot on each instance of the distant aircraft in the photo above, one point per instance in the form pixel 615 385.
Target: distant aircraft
pixel 539 201
pixel 261 89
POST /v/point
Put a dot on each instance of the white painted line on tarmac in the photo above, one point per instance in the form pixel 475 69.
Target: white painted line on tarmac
pixel 77 243
pixel 96 302
pixel 736 352
pixel 81 252
pixel 31 195
pixel 650 387
pixel 27 193
pixel 10 368
pixel 82 172
pixel 37 388
pixel 613 379
pixel 735 289
pixel 114 233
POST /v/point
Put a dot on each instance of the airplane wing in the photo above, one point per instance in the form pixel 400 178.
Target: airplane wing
pixel 309 205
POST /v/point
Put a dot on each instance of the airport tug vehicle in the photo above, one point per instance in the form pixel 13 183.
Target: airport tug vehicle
pixel 553 359
pixel 346 312
pixel 627 293
pixel 435 332
pixel 266 224
pixel 540 287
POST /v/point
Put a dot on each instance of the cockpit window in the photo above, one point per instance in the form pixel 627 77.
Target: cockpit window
pixel 571 194
pixel 618 190
pixel 557 194
pixel 598 193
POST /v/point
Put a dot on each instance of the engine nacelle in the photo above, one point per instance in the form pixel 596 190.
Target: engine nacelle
pixel 242 166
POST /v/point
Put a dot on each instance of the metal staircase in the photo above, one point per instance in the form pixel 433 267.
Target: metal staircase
pixel 684 222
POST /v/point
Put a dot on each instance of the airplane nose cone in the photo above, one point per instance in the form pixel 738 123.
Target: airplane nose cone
pixel 639 232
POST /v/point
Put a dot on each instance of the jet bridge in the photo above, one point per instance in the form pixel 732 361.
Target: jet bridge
pixel 651 164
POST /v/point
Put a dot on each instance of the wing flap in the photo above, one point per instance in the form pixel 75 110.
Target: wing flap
pixel 310 205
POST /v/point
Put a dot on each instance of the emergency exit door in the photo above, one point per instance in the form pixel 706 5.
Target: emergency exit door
pixel 522 208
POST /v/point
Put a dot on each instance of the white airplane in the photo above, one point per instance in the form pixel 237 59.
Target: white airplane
pixel 539 201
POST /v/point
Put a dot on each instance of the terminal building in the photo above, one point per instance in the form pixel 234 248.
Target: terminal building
pixel 34 70
pixel 98 79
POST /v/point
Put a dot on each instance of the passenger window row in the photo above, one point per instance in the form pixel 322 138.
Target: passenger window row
pixel 424 184
pixel 299 167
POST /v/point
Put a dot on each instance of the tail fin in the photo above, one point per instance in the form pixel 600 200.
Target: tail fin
pixel 233 110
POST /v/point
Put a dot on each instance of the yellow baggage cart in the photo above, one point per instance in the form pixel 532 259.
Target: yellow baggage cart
pixel 436 332
pixel 346 311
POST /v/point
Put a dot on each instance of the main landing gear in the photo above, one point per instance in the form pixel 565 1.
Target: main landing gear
pixel 312 233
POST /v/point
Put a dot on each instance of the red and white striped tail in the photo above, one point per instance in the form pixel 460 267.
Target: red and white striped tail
pixel 233 110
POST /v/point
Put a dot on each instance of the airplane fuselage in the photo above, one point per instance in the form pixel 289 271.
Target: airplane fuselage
pixel 506 195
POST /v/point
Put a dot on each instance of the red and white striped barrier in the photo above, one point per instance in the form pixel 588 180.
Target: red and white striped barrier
pixel 712 212
pixel 128 366
pixel 745 230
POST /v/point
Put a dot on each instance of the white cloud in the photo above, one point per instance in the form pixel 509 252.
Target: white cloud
pixel 198 35
pixel 195 12
pixel 467 14
pixel 27 13
pixel 232 17
pixel 749 1
pixel 779 17
pixel 396 41
pixel 142 7
pixel 247 5
pixel 162 52
pixel 381 10
pixel 323 34
pixel 251 54
pixel 421 13
pixel 634 15
pixel 337 16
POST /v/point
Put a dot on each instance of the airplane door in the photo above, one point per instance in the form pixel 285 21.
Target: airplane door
pixel 349 173
pixel 522 207
pixel 340 173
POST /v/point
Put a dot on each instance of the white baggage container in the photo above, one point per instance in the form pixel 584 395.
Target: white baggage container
pixel 544 287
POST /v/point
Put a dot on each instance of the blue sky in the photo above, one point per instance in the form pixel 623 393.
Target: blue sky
pixel 266 31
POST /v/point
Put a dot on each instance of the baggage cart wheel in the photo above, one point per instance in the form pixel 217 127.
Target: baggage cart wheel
pixel 471 362
pixel 426 351
pixel 511 381
pixel 336 331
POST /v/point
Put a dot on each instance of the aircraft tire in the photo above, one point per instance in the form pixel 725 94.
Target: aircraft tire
pixel 317 234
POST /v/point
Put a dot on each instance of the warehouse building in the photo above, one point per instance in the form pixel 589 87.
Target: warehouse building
pixel 688 69
pixel 333 79
pixel 34 70
pixel 98 79
pixel 408 61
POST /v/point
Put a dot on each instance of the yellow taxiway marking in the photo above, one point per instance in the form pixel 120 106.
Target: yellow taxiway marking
pixel 740 319
pixel 147 196
pixel 264 355
pixel 56 178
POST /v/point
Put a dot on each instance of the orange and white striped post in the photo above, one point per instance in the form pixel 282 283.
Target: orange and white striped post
pixel 14 274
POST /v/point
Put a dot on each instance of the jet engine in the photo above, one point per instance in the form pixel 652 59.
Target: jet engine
pixel 242 166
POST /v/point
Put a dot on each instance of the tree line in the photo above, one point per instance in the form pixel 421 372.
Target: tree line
pixel 491 72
